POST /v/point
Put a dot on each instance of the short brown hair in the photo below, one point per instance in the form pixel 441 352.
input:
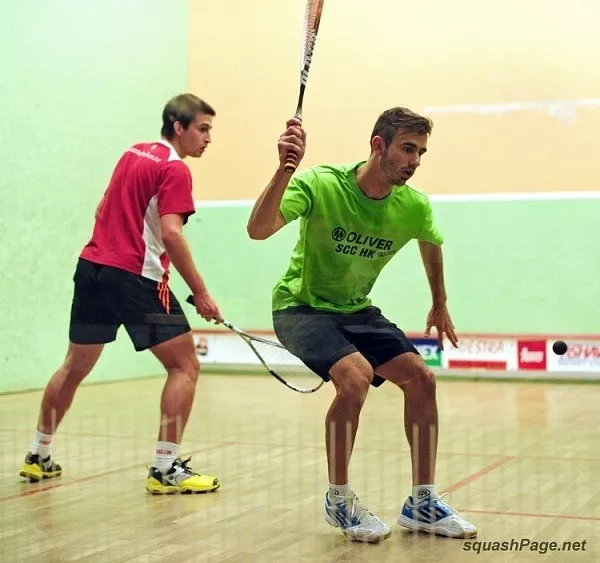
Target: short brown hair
pixel 400 119
pixel 182 108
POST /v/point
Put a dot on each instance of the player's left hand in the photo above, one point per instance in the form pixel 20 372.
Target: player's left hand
pixel 439 318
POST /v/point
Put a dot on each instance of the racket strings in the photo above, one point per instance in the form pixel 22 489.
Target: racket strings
pixel 311 23
pixel 287 366
pixel 277 358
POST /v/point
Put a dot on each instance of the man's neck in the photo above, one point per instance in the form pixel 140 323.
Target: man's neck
pixel 176 147
pixel 371 182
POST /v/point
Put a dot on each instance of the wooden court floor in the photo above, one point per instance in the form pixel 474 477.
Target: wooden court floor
pixel 519 460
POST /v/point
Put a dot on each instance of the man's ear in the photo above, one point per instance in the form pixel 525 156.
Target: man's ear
pixel 378 145
pixel 178 129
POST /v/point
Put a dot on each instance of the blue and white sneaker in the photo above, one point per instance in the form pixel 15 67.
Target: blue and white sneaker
pixel 435 516
pixel 353 518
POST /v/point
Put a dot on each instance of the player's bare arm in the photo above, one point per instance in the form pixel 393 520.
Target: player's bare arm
pixel 432 257
pixel 265 219
pixel 179 252
pixel 438 316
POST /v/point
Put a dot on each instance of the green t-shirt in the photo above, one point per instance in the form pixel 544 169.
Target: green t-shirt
pixel 346 238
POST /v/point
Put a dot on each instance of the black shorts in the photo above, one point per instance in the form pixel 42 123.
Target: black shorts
pixel 321 338
pixel 105 298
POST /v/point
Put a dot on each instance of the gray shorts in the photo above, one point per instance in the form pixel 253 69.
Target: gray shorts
pixel 321 338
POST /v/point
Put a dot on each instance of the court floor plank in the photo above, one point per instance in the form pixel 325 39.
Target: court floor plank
pixel 520 460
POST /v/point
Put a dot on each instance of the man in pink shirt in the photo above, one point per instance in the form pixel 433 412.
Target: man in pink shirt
pixel 122 277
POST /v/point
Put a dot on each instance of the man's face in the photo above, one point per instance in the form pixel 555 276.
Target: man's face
pixel 194 140
pixel 402 157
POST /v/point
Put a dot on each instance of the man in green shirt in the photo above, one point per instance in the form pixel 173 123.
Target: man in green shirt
pixel 353 219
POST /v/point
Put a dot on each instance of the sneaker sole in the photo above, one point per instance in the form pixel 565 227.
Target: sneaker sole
pixel 35 476
pixel 431 529
pixel 350 536
pixel 180 490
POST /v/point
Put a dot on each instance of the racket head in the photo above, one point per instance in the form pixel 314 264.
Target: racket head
pixel 310 29
pixel 283 365
pixel 277 360
pixel 280 362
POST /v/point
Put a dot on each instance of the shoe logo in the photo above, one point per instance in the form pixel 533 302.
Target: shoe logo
pixel 339 512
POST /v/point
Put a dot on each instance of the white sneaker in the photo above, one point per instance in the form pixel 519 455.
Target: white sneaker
pixel 353 518
pixel 435 516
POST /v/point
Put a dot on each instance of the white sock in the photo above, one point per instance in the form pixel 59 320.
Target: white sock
pixel 339 490
pixel 42 444
pixel 166 454
pixel 422 492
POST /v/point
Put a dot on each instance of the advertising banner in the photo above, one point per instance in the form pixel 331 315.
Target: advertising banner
pixel 481 353
pixel 582 357
pixel 532 355
pixel 477 354
pixel 430 350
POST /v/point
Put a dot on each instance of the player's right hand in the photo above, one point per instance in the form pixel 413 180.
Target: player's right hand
pixel 207 308
pixel 293 139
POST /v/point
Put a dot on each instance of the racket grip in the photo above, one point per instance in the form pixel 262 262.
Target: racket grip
pixel 190 299
pixel 291 162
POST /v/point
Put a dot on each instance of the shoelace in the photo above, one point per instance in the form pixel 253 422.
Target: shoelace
pixel 445 498
pixel 359 510
pixel 185 467
pixel 48 464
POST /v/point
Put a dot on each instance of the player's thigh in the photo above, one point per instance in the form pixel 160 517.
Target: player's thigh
pixel 136 299
pixel 148 335
pixel 408 369
pixel 178 354
pixel 381 341
pixel 93 321
pixel 313 336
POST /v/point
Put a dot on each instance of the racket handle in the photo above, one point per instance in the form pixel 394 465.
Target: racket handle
pixel 190 299
pixel 291 162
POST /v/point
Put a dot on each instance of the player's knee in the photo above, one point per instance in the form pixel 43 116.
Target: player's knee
pixel 424 382
pixel 185 367
pixel 191 368
pixel 354 391
pixel 194 368
pixel 352 382
pixel 75 370
pixel 74 374
pixel 178 356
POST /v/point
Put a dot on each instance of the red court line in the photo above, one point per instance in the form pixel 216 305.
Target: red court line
pixel 474 476
pixel 463 482
pixel 407 452
pixel 44 488
pixel 318 447
pixel 49 487
pixel 533 515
